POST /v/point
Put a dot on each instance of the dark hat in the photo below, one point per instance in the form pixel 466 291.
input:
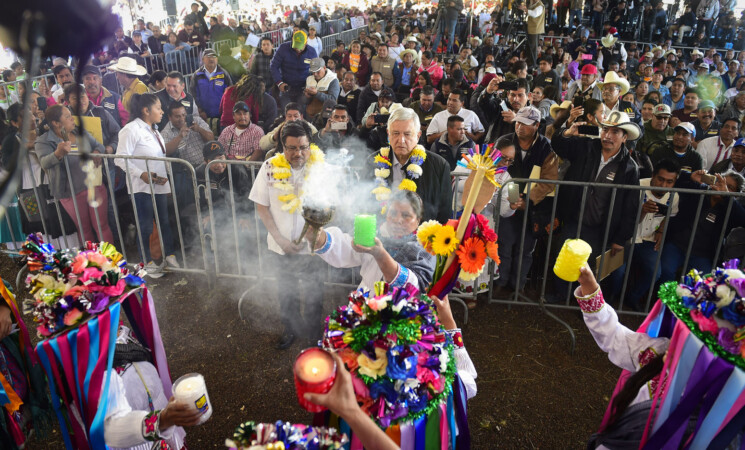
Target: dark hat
pixel 90 69
pixel 209 52
pixel 212 150
pixel 387 93
pixel 241 106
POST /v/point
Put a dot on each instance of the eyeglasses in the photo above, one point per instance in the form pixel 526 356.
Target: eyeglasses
pixel 297 149
pixel 507 161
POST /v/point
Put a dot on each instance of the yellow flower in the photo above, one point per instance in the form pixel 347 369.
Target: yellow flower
pixel 426 233
pixel 279 161
pixel 316 155
pixel 284 186
pixel 286 198
pixel 444 242
pixel 382 173
pixel 381 193
pixel 292 205
pixel 469 276
pixel 385 151
pixel 419 151
pixel 281 173
pixel 380 159
pixel 373 368
pixel 408 185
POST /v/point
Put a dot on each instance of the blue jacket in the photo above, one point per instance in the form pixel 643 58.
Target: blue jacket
pixel 207 92
pixel 289 67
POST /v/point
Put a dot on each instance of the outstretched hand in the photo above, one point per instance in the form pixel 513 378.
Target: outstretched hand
pixel 587 281
pixel 446 314
pixel 375 250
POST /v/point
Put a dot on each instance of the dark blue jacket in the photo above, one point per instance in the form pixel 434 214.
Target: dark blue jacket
pixel 207 92
pixel 289 67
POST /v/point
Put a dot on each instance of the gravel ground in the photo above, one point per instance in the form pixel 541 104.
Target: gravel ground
pixel 531 392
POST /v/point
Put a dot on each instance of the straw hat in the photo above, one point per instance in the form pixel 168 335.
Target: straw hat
pixel 619 119
pixel 554 110
pixel 608 41
pixel 413 53
pixel 613 78
pixel 129 66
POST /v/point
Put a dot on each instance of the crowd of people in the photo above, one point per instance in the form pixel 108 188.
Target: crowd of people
pixel 415 90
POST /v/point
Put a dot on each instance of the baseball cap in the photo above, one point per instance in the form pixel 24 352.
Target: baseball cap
pixel 387 93
pixel 528 115
pixel 740 143
pixel 90 69
pixel 299 39
pixel 241 106
pixel 213 149
pixel 208 52
pixel 317 64
pixel 490 70
pixel 649 55
pixel 703 66
pixel 706 104
pixel 662 109
pixel 688 126
pixel 589 69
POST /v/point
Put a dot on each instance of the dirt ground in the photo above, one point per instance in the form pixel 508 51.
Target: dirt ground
pixel 531 392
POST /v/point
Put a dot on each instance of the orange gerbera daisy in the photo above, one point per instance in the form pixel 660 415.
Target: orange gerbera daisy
pixel 472 254
pixel 491 251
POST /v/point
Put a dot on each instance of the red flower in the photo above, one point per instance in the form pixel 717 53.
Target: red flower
pixel 484 229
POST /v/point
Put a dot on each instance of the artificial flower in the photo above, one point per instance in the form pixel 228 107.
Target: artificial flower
pixel 704 323
pixel 98 260
pixel 725 294
pixel 444 242
pixel 381 160
pixel 349 357
pixel 426 233
pixel 484 229
pixel 377 303
pixel 472 255
pixel 79 263
pixel 400 367
pixel 407 185
pixel 72 317
pixel 726 338
pixel 734 313
pixel 470 276
pixel 492 251
pixel 382 173
pixel 373 368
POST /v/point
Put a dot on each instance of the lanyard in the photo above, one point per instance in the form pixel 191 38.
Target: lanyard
pixel 719 152
pixel 157 138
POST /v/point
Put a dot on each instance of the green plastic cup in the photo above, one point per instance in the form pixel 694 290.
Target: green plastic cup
pixel 365 227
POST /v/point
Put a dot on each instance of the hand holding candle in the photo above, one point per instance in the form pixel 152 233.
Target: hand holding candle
pixel 573 255
pixel 191 389
pixel 315 372
pixel 365 227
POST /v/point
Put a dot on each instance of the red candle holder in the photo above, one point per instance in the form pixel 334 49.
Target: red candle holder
pixel 315 372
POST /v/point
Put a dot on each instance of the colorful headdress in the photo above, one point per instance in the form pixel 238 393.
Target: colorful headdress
pixel 400 358
pixel 284 435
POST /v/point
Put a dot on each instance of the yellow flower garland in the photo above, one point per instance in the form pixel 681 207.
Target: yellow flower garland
pixel 282 171
pixel 383 170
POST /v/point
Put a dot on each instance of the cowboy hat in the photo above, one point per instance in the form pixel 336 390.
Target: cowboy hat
pixel 554 110
pixel 129 66
pixel 413 53
pixel 475 38
pixel 656 49
pixel 612 77
pixel 619 119
pixel 608 41
pixel 412 38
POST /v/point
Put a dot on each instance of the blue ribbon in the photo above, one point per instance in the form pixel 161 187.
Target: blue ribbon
pixel 451 420
pixel 420 429
pixel 72 341
pixel 92 353
pixel 344 429
pixel 53 394
pixel 691 349
pixel 721 408
pixel 97 427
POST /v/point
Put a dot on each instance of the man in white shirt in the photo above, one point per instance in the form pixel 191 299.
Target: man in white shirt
pixel 283 219
pixel 439 124
pixel 718 148
pixel 650 228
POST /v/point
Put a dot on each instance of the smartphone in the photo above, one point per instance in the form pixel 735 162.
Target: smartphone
pixel 588 130
pixel 508 85
pixel 708 179
pixel 504 106
pixel 338 126
pixel 189 120
pixel 586 56
pixel 42 103
pixel 513 192
pixel 381 118
pixel 662 209
pixel 327 113
pixel 578 101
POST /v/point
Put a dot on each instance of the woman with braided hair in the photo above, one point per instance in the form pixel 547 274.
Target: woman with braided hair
pixel 250 89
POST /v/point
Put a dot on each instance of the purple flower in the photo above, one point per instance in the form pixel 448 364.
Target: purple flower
pixel 726 339
pixel 399 366
pixel 99 302
pixel 734 313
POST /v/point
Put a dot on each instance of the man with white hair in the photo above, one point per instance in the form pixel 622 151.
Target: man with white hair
pixel 407 165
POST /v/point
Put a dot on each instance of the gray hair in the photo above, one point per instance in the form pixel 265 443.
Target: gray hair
pixel 404 114
pixel 739 179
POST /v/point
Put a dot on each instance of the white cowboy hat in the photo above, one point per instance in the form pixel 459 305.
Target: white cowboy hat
pixel 608 41
pixel 475 38
pixel 129 66
pixel 619 119
pixel 412 38
pixel 554 110
pixel 656 49
pixel 612 77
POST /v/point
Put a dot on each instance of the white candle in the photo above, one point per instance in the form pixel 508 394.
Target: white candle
pixel 192 390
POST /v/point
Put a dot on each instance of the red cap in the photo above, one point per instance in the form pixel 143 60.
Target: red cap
pixel 612 30
pixel 589 69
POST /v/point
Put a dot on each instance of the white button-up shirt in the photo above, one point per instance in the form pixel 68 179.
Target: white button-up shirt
pixel 439 123
pixel 713 150
pixel 137 138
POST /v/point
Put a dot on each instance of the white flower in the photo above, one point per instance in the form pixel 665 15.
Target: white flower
pixel 683 292
pixel 734 274
pixel 726 294
pixel 444 359
pixel 382 173
pixel 415 170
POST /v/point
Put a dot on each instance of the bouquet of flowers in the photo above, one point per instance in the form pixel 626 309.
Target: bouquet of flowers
pixel 284 435
pixel 462 246
pixel 713 307
pixel 400 357
pixel 68 286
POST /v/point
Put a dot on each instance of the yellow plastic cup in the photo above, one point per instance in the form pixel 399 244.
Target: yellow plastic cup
pixel 573 255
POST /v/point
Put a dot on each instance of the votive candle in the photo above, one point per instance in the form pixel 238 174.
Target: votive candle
pixel 573 255
pixel 365 226
pixel 315 372
pixel 192 390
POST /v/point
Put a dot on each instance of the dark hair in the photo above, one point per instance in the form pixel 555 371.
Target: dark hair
pixel 427 90
pixel 649 101
pixel 7 74
pixel 631 388
pixel 176 74
pixel 73 88
pixel 427 77
pixel 54 113
pixel 591 106
pixel 266 38
pixel 521 83
pixel 504 142
pixel 518 65
pixel 427 54
pixel 14 112
pixel 667 165
pixel 157 76
pixel 681 80
pixel 298 129
pixel 138 102
pixel 15 65
pixel 454 118
pixel 292 106
pixel 174 106
pixel 732 119
pixel 376 73
pixel 56 70
pixel 459 92
pixel 410 197
pixel 550 92
pixel 449 82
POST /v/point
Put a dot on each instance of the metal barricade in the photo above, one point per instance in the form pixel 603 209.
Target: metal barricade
pixel 10 92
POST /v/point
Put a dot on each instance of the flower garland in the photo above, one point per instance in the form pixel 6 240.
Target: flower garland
pixel 713 308
pixel 284 435
pixel 401 360
pixel 69 286
pixel 383 166
pixel 282 171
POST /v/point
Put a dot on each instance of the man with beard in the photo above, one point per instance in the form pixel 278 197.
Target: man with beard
pixel 680 150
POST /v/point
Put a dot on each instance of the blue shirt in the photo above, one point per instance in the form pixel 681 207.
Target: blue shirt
pixel 668 100
pixel 405 78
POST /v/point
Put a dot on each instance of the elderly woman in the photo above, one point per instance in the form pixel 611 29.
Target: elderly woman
pixel 67 181
pixel 397 256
